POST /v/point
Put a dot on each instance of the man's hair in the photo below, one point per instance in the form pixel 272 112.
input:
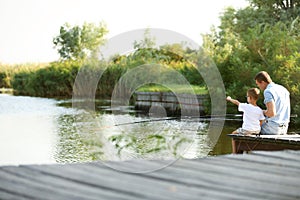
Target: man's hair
pixel 254 93
pixel 263 76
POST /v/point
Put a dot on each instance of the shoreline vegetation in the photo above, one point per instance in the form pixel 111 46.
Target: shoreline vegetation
pixel 6 91
pixel 184 89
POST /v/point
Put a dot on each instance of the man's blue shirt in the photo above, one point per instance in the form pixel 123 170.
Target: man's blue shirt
pixel 281 97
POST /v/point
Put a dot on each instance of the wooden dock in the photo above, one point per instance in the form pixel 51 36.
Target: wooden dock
pixel 259 175
pixel 242 143
pixel 170 102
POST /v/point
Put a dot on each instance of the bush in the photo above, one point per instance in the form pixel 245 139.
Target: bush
pixel 54 80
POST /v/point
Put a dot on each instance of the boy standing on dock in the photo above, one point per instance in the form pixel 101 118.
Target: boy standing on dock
pixel 253 115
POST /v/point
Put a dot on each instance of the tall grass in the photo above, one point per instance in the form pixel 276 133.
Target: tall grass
pixel 57 79
pixel 200 90
pixel 8 72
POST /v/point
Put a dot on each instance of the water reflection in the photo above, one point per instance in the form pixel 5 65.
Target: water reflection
pixel 70 147
pixel 166 139
pixel 87 137
pixel 40 130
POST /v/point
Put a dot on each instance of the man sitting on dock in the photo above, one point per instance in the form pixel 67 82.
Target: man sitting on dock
pixel 277 101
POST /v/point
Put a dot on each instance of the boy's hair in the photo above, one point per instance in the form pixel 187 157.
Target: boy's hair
pixel 254 93
pixel 263 76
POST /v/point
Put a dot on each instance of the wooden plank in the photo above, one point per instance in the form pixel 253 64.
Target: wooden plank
pixel 240 176
pixel 268 160
pixel 247 164
pixel 184 190
pixel 282 137
pixel 250 175
pixel 294 152
pixel 278 139
pixel 285 155
pixel 256 180
pixel 12 195
pixel 248 146
pixel 210 176
pixel 64 184
pixel 205 168
pixel 111 178
pixel 241 143
pixel 209 163
pixel 202 187
pixel 28 189
pixel 260 175
pixel 71 173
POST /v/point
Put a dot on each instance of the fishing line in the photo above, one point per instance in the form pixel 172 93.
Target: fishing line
pixel 204 118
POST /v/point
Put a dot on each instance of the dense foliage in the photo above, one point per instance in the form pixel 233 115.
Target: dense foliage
pixel 264 36
pixel 54 80
pixel 57 78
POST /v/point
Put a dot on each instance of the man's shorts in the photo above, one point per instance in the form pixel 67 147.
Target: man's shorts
pixel 272 128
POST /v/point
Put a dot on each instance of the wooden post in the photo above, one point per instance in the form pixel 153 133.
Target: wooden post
pixel 234 146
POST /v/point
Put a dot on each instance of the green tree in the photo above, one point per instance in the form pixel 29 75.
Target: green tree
pixel 263 36
pixel 79 42
pixel 277 10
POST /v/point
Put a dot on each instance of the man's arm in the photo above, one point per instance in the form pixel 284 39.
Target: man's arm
pixel 271 110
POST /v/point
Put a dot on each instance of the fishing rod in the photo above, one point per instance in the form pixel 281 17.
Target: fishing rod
pixel 201 118
pixel 145 121
pixel 204 118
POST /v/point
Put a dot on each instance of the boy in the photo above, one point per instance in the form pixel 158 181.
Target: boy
pixel 253 115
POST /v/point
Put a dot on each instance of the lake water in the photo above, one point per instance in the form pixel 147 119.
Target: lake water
pixel 40 130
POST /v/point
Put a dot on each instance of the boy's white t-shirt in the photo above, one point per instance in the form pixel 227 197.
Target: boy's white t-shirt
pixel 252 115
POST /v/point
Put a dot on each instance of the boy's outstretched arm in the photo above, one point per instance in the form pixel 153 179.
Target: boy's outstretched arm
pixel 234 101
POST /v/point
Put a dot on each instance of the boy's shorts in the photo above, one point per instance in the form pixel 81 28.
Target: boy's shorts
pixel 245 132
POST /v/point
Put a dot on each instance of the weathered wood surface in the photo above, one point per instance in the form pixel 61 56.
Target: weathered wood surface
pixel 242 143
pixel 170 101
pixel 260 175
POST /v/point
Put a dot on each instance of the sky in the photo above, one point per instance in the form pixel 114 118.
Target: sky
pixel 29 26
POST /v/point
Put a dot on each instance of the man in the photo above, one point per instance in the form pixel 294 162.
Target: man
pixel 277 101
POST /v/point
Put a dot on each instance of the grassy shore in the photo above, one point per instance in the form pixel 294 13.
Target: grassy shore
pixel 6 90
pixel 200 90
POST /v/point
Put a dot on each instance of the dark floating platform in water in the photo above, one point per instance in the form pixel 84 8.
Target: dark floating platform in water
pixel 259 175
pixel 242 143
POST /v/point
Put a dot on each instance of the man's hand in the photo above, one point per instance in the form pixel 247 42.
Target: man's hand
pixel 271 109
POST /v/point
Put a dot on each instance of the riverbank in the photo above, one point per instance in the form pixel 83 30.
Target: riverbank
pixel 6 91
